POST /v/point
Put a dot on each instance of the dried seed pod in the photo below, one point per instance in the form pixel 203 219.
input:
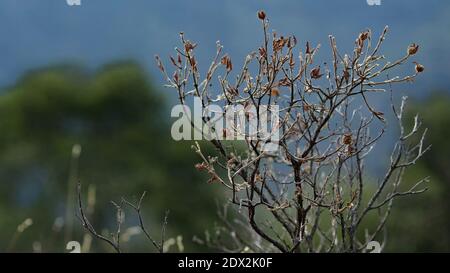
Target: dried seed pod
pixel 159 63
pixel 275 92
pixel 346 76
pixel 307 107
pixel 363 36
pixel 284 82
pixel 413 49
pixel 258 178
pixel 261 15
pixel 279 43
pixel 419 68
pixel 173 61
pixel 315 73
pixel 201 166
pixel 262 52
pixel 193 63
pixel 350 150
pixel 226 61
pixel 175 77
pixel 308 48
pixel 223 61
pixel 188 46
pixel 347 139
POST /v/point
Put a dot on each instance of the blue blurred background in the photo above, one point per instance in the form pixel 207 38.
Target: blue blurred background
pixel 49 45
pixel 42 32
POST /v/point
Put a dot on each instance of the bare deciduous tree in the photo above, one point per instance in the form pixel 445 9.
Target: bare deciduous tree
pixel 314 194
pixel 114 240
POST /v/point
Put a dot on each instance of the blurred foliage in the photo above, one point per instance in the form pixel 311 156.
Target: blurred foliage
pixel 422 223
pixel 117 118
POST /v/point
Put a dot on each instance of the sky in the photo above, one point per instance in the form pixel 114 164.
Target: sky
pixel 37 33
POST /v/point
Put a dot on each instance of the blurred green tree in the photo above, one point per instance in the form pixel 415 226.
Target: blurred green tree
pixel 422 224
pixel 116 117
